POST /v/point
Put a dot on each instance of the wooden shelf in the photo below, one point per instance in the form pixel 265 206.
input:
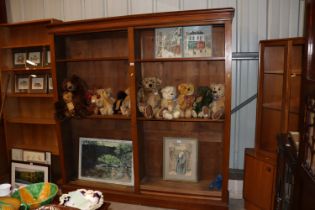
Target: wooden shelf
pixel 29 120
pixel 99 185
pixel 27 70
pixel 181 59
pixel 110 117
pixel 25 46
pixel 183 120
pixel 280 72
pixel 92 59
pixel 199 188
pixel 31 95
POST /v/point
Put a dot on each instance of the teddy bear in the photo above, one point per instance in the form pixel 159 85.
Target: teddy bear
pixel 125 106
pixel 148 96
pixel 217 105
pixel 74 102
pixel 201 105
pixel 169 108
pixel 186 99
pixel 105 101
pixel 121 95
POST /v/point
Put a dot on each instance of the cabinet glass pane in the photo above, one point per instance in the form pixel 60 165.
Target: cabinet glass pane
pixel 270 127
pixel 272 91
pixel 295 88
pixel 274 59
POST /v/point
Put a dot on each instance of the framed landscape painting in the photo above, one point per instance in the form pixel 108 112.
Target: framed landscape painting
pixel 106 160
pixel 168 42
pixel 180 159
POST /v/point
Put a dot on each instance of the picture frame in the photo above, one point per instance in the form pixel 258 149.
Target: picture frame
pixel 31 156
pixel 35 57
pixel 16 154
pixel 34 156
pixel 50 85
pixel 19 58
pixel 180 159
pixel 38 83
pixel 22 83
pixel 47 57
pixel 168 42
pixel 106 160
pixel 197 41
pixel 26 173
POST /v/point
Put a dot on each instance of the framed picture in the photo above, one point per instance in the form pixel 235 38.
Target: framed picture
pixel 38 83
pixel 197 41
pixel 50 84
pixel 168 42
pixel 180 159
pixel 23 174
pixel 34 156
pixel 47 58
pixel 35 57
pixel 22 83
pixel 16 154
pixel 19 58
pixel 106 160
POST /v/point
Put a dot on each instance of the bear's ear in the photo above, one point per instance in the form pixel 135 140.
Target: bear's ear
pixel 158 81
pixel 180 87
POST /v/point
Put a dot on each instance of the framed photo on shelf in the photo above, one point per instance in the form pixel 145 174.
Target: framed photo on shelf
pixel 197 41
pixel 106 160
pixel 35 57
pixel 25 173
pixel 180 159
pixel 47 58
pixel 19 59
pixel 38 83
pixel 22 83
pixel 50 84
pixel 168 42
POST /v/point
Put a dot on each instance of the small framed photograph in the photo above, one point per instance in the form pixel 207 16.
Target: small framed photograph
pixel 168 42
pixel 22 83
pixel 197 41
pixel 106 160
pixel 34 156
pixel 19 58
pixel 47 58
pixel 50 84
pixel 180 159
pixel 38 83
pixel 23 174
pixel 35 58
pixel 16 154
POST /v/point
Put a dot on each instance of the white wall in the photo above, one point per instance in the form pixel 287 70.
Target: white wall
pixel 254 20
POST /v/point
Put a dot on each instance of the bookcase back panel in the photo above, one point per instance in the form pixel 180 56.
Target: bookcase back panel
pixel 30 107
pixel 272 88
pixel 6 58
pixel 201 73
pixel 37 137
pixel 274 59
pixel 296 59
pixel 102 74
pixel 148 42
pixel 270 129
pixel 96 45
pixel 295 94
pixel 293 122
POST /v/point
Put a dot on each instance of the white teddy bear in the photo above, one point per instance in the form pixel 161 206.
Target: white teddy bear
pixel 169 107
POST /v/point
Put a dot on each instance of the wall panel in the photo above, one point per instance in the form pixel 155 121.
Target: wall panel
pixel 94 9
pixel 73 9
pixel 141 6
pixel 53 9
pixel 167 5
pixel 117 8
pixel 14 10
pixel 196 4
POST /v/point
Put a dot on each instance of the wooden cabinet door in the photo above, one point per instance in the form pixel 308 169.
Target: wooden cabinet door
pixel 259 178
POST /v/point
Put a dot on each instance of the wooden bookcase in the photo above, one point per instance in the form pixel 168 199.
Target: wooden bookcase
pixel 117 53
pixel 280 73
pixel 28 114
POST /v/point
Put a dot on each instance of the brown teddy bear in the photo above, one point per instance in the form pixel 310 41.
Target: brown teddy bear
pixel 169 108
pixel 148 97
pixel 217 105
pixel 186 99
pixel 125 106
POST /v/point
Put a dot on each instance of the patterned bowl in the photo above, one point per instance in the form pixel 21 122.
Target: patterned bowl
pixel 35 195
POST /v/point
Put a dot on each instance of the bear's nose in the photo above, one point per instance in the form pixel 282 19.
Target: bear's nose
pixel 150 85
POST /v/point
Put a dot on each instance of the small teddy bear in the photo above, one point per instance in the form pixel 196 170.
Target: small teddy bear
pixel 105 101
pixel 201 105
pixel 148 97
pixel 169 107
pixel 217 105
pixel 186 99
pixel 125 106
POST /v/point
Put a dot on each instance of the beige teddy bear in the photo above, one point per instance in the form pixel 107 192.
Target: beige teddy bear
pixel 148 97
pixel 105 101
pixel 169 107
pixel 217 105
pixel 186 99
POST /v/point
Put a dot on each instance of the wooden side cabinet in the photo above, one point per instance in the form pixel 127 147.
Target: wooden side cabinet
pixel 258 178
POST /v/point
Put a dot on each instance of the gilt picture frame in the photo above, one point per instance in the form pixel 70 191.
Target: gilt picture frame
pixel 180 159
pixel 22 83
pixel 38 83
pixel 19 58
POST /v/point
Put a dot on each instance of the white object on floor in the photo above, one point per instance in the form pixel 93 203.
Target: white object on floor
pixel 235 189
